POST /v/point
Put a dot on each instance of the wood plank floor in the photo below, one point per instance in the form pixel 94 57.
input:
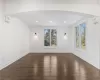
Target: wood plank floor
pixel 50 67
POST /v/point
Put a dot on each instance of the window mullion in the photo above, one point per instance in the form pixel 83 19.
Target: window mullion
pixel 50 37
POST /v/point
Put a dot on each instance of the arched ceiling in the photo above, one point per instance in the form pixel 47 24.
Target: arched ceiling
pixel 50 18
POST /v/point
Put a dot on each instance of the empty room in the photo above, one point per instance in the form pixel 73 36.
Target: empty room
pixel 49 39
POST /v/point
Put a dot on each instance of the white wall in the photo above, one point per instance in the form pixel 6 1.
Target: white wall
pixel 92 52
pixel 14 40
pixel 62 44
pixel 1 27
pixel 17 6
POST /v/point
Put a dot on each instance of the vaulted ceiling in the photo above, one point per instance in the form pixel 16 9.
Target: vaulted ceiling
pixel 51 12
pixel 50 18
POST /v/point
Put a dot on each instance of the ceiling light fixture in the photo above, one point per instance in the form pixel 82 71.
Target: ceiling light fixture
pixel 37 21
pixel 64 21
pixel 50 21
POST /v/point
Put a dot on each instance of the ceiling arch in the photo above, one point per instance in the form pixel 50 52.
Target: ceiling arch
pixel 50 18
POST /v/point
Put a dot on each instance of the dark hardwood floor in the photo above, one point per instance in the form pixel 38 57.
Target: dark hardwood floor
pixel 50 67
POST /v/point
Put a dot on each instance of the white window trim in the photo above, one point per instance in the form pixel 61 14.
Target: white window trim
pixel 51 47
pixel 80 48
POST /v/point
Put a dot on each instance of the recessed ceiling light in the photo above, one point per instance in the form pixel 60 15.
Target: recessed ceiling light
pixel 64 21
pixel 50 21
pixel 37 21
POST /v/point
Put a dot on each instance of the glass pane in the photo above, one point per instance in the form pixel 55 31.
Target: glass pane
pixel 46 37
pixel 77 37
pixel 53 37
pixel 83 35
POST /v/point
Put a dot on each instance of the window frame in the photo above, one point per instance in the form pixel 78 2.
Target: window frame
pixel 50 38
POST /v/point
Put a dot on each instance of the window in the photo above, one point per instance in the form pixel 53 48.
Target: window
pixel 77 37
pixel 81 36
pixel 50 37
